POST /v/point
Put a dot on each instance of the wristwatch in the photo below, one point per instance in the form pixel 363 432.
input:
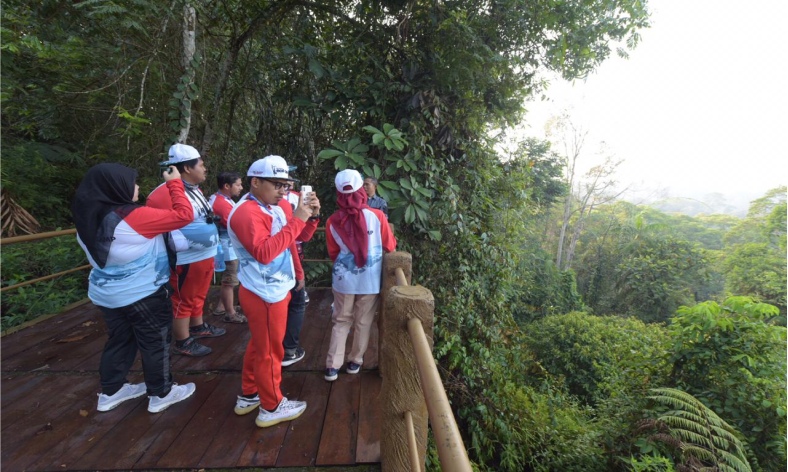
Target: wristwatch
pixel 314 218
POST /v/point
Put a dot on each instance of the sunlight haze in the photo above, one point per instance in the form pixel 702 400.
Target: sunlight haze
pixel 699 107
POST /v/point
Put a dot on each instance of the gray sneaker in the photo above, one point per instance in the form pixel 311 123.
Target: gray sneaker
pixel 291 359
pixel 177 393
pixel 286 411
pixel 127 392
pixel 192 348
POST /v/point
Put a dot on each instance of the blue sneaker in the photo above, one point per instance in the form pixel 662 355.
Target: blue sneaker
pixel 353 368
pixel 331 374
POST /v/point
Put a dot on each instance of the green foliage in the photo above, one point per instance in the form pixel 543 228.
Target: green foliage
pixel 26 261
pixel 649 463
pixel 599 357
pixel 41 178
pixel 734 362
pixel 640 262
pixel 703 439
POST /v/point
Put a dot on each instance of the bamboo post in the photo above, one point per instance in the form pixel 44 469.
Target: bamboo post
pixel 415 462
pixel 402 391
pixel 451 449
pixel 391 262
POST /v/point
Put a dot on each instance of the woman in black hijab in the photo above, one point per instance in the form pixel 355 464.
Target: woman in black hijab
pixel 129 282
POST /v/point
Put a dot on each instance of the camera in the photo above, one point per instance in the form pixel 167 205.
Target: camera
pixel 211 218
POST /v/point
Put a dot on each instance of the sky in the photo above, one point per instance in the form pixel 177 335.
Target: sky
pixel 699 107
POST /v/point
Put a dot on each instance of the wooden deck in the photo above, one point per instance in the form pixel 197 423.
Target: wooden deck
pixel 49 418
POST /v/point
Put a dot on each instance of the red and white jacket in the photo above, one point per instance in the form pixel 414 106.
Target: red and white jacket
pixel 349 278
pixel 264 238
pixel 222 206
pixel 202 238
pixel 137 263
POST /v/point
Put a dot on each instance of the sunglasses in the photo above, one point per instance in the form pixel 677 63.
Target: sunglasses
pixel 280 185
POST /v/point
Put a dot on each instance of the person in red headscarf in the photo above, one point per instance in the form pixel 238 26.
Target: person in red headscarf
pixel 357 236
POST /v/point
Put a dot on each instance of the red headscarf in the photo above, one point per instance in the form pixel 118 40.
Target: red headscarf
pixel 352 225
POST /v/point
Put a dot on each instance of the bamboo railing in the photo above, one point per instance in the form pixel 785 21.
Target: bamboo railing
pixel 65 232
pixel 412 390
pixel 36 237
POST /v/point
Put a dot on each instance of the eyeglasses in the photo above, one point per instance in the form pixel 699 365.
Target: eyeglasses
pixel 280 185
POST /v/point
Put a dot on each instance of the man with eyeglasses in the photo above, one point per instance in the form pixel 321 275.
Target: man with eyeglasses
pixel 192 275
pixel 263 229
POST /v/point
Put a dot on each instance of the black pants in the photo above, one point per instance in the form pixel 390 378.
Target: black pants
pixel 295 318
pixel 145 325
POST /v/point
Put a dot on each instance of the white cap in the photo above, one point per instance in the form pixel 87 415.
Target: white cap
pixel 182 153
pixel 348 177
pixel 270 167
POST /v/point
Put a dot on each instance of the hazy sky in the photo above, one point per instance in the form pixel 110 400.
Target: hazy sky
pixel 699 107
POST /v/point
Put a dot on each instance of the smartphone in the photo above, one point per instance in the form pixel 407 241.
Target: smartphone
pixel 304 190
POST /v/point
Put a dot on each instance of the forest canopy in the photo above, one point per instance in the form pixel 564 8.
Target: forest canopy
pixel 558 352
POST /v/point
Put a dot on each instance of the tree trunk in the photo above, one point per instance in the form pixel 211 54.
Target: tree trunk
pixel 580 224
pixel 189 33
pixel 228 65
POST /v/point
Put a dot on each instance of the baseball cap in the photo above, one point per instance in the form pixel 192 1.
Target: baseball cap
pixel 270 167
pixel 181 153
pixel 348 177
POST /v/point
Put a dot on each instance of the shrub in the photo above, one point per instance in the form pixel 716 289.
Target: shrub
pixel 731 360
pixel 600 357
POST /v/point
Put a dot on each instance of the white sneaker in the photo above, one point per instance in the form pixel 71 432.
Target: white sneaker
pixel 246 405
pixel 127 392
pixel 286 411
pixel 177 393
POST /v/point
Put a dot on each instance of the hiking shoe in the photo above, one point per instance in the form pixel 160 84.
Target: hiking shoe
pixel 246 405
pixel 206 331
pixel 127 392
pixel 331 374
pixel 353 368
pixel 177 393
pixel 286 411
pixel 192 348
pixel 291 359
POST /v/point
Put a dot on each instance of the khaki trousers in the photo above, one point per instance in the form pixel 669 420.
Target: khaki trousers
pixel 359 312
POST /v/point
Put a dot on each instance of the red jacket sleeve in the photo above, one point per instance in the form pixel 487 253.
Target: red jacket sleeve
pixel 253 229
pixel 333 247
pixel 222 208
pixel 299 269
pixel 160 198
pixel 386 236
pixel 150 222
pixel 308 232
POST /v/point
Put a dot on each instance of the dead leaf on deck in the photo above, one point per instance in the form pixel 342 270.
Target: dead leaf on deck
pixel 83 413
pixel 88 323
pixel 71 340
pixel 210 377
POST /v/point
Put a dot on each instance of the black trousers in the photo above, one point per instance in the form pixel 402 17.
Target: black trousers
pixel 144 326
pixel 295 318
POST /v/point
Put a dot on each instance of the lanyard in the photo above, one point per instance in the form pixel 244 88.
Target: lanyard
pixel 198 198
pixel 268 210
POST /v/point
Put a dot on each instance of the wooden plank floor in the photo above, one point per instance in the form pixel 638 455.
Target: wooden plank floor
pixel 49 420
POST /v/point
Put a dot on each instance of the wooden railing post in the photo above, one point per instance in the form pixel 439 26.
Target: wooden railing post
pixel 401 391
pixel 391 262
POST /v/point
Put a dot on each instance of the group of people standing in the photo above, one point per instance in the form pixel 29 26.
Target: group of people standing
pixel 153 266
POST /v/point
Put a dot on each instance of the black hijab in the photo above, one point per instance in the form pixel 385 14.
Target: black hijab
pixel 102 200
